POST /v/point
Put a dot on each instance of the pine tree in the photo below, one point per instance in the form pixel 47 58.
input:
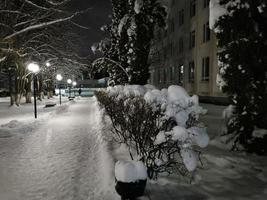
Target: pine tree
pixel 131 33
pixel 242 40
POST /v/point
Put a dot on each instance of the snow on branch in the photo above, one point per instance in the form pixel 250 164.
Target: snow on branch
pixel 57 4
pixel 41 25
pixel 35 5
pixel 2 59
pixel 13 12
pixel 216 11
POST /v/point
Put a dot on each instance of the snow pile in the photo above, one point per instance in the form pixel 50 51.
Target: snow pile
pixel 12 124
pixel 138 5
pixel 259 133
pixel 216 11
pixel 130 171
pixel 228 112
pixel 177 105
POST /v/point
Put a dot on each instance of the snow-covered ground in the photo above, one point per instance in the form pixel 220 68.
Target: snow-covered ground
pixel 62 155
pixel 59 156
pixel 26 111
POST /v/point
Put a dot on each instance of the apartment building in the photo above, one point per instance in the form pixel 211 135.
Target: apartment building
pixel 185 53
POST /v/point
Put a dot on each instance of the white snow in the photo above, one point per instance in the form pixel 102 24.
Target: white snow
pixel 130 171
pixel 64 157
pixel 93 48
pixel 220 82
pixel 176 104
pixel 138 4
pixel 177 93
pixel 179 133
pixel 199 136
pixel 228 112
pixel 190 159
pixel 216 11
pixel 161 138
pixel 261 8
pixel 122 24
pixel 259 132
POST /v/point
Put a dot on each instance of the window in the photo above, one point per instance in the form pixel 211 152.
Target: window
pixel 159 76
pixel 181 45
pixel 164 53
pixel 171 70
pixel 192 8
pixel 172 25
pixel 181 74
pixel 164 75
pixel 171 49
pixel 192 39
pixel 181 17
pixel 159 35
pixel 191 71
pixel 206 3
pixel 206 32
pixel 165 33
pixel 205 69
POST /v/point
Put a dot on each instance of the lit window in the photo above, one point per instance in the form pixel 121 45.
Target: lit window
pixel 191 71
pixel 181 74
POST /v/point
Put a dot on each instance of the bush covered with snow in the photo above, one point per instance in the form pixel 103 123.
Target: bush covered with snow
pixel 160 127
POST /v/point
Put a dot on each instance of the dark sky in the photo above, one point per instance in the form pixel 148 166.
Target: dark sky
pixel 98 15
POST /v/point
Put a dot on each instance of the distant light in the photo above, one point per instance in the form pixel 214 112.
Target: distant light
pixel 69 81
pixel 74 83
pixel 59 77
pixel 48 64
pixel 33 67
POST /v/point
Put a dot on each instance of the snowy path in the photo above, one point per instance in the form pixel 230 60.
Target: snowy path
pixel 62 159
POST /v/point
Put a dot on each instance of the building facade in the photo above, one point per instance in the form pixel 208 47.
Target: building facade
pixel 185 53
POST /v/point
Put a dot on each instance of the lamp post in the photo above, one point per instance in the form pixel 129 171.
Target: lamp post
pixel 69 81
pixel 59 78
pixel 34 68
pixel 74 83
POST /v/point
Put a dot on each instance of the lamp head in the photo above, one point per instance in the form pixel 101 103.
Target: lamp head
pixel 59 77
pixel 48 64
pixel 69 81
pixel 33 67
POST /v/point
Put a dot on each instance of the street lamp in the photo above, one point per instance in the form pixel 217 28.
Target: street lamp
pixel 48 64
pixel 74 83
pixel 69 81
pixel 59 78
pixel 34 68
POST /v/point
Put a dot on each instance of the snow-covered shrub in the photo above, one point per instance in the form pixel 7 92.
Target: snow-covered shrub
pixel 161 127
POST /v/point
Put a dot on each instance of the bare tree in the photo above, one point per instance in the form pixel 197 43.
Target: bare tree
pixel 39 30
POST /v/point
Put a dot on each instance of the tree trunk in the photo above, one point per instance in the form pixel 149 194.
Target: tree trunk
pixel 28 90
pixel 10 87
pixel 50 91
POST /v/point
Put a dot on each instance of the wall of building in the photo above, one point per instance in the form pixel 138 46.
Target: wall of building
pixel 170 62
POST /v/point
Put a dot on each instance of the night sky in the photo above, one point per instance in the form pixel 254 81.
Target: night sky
pixel 97 16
